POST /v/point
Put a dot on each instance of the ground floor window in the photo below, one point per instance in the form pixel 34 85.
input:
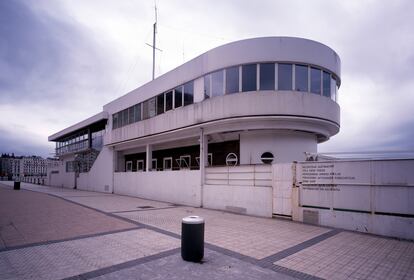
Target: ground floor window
pixel 140 165
pixel 128 167
pixel 154 164
pixel 185 162
pixel 209 160
pixel 167 163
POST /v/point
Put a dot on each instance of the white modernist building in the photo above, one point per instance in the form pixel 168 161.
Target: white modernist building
pixel 246 104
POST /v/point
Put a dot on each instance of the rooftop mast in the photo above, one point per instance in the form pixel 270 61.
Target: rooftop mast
pixel 153 43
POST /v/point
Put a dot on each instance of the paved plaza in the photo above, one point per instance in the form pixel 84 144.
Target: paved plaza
pixel 56 233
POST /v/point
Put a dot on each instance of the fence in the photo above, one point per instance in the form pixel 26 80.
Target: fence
pixel 243 175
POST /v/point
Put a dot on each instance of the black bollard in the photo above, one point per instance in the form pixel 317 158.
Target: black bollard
pixel 16 185
pixel 192 239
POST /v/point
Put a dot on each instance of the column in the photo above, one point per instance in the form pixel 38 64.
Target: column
pixel 149 157
pixel 203 160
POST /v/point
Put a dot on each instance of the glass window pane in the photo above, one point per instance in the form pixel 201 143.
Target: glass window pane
pixel 326 84
pixel 333 88
pixel 131 114
pixel 232 79
pixel 249 77
pixel 152 108
pixel 207 88
pixel 115 121
pixel 124 117
pixel 267 76
pixel 168 100
pixel 284 76
pixel 315 80
pixel 145 109
pixel 217 83
pixel 137 116
pixel 178 97
pixel 301 77
pixel 160 104
pixel 188 93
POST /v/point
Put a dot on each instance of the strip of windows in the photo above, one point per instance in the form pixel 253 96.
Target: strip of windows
pixel 242 78
pixel 180 96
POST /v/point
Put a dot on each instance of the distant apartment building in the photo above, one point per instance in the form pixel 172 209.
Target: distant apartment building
pixel 32 169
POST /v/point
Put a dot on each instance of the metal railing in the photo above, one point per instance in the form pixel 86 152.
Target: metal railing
pixel 241 175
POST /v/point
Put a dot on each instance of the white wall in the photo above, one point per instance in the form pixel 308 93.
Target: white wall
pixel 62 179
pixel 100 176
pixel 285 146
pixel 180 187
pixel 370 196
pixel 248 200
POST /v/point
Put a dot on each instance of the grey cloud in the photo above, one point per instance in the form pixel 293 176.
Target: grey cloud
pixel 23 146
pixel 42 57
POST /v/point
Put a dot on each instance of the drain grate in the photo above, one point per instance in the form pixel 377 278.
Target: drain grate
pixel 145 207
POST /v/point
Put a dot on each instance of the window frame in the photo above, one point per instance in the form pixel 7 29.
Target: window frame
pixel 129 162
pixel 170 159
pixel 143 165
pixel 188 164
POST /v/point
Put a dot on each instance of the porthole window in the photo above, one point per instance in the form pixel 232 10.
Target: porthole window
pixel 267 157
pixel 231 159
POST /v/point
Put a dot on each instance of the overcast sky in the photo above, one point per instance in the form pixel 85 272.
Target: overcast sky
pixel 62 60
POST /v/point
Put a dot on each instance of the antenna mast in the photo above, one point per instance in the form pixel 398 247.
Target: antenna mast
pixel 153 43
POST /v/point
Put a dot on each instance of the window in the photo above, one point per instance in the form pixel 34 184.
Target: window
pixel 249 77
pixel 207 86
pixel 149 108
pixel 124 117
pixel 267 76
pixel 209 160
pixel 137 115
pixel 188 93
pixel 160 104
pixel 140 165
pixel 315 80
pixel 231 159
pixel 217 83
pixel 232 80
pixel 131 116
pixel 70 166
pixel 168 101
pixel 128 167
pixel 168 163
pixel 326 84
pixel 301 77
pixel 178 92
pixel 185 162
pixel 333 88
pixel 115 121
pixel 284 76
pixel 267 157
pixel 154 164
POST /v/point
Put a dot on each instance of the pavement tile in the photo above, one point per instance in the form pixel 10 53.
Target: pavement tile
pixel 29 217
pixel 214 266
pixel 70 258
pixel 251 236
pixel 360 256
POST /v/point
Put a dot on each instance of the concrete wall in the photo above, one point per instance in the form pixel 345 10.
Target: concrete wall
pixel 369 196
pixel 248 200
pixel 62 179
pixel 285 146
pixel 100 176
pixel 180 187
